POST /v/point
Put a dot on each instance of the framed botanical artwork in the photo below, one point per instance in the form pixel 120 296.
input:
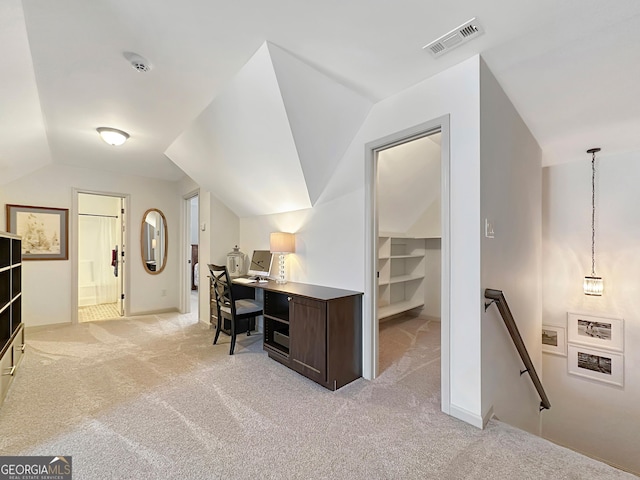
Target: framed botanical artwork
pixel 601 365
pixel 554 340
pixel 598 332
pixel 44 231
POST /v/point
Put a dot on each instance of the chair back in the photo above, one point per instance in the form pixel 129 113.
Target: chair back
pixel 222 287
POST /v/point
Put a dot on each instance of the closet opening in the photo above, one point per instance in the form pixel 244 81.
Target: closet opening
pixel 407 265
pixel 100 249
pixel 409 246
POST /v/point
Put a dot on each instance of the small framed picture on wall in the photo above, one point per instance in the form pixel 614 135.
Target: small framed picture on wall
pixel 554 340
pixel 44 231
pixel 599 332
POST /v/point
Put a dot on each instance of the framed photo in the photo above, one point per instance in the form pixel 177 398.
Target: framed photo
pixel 598 332
pixel 601 365
pixel 554 340
pixel 44 231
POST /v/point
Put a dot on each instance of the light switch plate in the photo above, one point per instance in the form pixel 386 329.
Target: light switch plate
pixel 488 229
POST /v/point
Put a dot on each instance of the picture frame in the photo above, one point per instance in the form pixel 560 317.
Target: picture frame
pixel 602 365
pixel 44 231
pixel 554 340
pixel 596 331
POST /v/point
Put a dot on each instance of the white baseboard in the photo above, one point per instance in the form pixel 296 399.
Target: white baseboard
pixel 487 416
pixel 466 416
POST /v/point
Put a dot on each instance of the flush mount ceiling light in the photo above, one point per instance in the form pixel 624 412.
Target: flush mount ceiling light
pixel 113 136
pixel 593 285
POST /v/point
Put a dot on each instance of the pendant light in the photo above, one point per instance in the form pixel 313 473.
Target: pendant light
pixel 593 285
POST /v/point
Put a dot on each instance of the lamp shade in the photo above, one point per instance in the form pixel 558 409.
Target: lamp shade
pixel 113 136
pixel 282 242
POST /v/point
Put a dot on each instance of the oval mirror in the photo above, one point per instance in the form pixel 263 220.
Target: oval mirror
pixel 153 241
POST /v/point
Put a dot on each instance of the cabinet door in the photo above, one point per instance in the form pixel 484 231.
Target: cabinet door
pixel 308 338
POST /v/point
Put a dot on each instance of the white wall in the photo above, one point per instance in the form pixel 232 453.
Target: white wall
pixel 331 237
pixel 511 199
pixel 47 284
pixel 588 416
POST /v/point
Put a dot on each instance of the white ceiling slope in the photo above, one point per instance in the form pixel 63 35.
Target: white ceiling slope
pixel 23 139
pixel 241 147
pixel 323 114
pixel 271 140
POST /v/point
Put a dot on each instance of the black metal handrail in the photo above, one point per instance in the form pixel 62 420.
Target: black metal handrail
pixel 497 297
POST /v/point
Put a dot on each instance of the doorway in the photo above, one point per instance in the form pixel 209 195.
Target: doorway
pixel 192 234
pixel 100 246
pixel 409 245
pixel 408 251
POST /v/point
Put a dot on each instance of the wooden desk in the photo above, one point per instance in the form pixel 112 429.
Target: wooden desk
pixel 314 330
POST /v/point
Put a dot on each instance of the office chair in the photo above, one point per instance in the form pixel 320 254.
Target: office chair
pixel 228 308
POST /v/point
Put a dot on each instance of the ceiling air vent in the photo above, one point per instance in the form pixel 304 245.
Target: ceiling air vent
pixel 456 37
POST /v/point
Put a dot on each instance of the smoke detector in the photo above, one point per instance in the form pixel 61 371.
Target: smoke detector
pixel 138 62
pixel 456 37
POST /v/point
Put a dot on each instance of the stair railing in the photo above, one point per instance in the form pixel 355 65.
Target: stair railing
pixel 497 297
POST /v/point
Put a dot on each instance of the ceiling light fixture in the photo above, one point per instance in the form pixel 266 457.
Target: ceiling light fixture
pixel 593 285
pixel 113 136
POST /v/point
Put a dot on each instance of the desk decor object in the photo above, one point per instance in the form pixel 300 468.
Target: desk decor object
pixel 282 243
pixel 44 231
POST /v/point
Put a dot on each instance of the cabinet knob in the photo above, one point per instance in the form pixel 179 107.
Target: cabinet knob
pixel 288 299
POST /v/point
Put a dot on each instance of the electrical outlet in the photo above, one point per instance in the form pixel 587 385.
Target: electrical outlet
pixel 163 293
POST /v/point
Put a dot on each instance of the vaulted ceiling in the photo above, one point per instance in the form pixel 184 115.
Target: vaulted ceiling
pixel 569 66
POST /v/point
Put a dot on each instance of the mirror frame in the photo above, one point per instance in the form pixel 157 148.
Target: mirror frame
pixel 166 241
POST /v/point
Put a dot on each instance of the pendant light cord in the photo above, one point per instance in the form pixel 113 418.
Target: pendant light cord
pixel 593 214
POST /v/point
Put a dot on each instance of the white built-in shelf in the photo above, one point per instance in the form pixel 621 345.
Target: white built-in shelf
pixel 398 307
pixel 401 279
pixel 401 271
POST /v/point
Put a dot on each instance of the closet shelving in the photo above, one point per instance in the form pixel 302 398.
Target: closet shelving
pixel 401 273
pixel 11 327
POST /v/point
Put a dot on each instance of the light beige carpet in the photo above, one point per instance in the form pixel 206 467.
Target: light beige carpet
pixel 151 398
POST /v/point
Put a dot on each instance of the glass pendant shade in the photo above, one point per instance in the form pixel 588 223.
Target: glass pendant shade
pixel 593 286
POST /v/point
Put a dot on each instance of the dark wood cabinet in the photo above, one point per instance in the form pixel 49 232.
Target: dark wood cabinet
pixel 11 327
pixel 316 331
pixel 308 337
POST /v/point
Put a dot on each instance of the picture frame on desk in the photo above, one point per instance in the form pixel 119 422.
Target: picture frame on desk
pixel 44 231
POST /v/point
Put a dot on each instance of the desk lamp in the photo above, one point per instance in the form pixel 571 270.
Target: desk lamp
pixel 282 243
